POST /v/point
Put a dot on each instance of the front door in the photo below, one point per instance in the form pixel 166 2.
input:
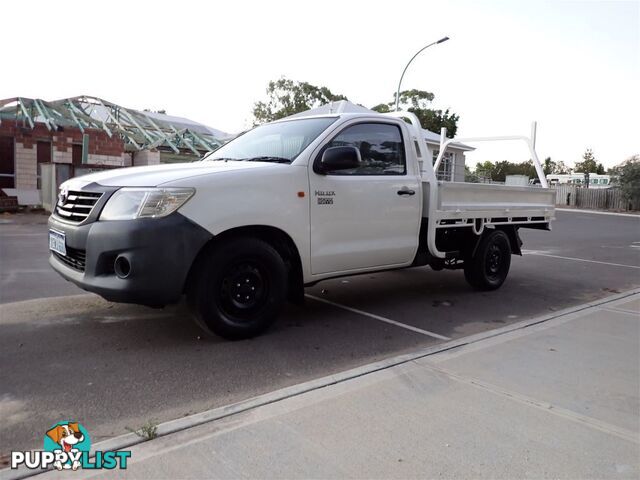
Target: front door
pixel 367 216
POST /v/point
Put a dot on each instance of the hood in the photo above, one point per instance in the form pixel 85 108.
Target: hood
pixel 155 175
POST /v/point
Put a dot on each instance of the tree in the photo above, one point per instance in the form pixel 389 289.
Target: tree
pixel 589 164
pixel 287 97
pixel 627 175
pixel 498 171
pixel 418 102
pixel 504 168
pixel 483 170
pixel 485 166
pixel 469 176
pixel 554 168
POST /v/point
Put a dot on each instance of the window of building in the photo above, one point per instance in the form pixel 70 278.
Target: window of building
pixel 381 149
pixel 447 166
pixel 7 163
pixel 76 154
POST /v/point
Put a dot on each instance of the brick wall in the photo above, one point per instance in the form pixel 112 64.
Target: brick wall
pixel 62 156
pixel 112 160
pixel 146 157
pixel 99 142
pixel 26 166
pixel 103 150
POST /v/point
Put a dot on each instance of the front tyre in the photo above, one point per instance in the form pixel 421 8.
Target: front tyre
pixel 238 289
pixel 488 268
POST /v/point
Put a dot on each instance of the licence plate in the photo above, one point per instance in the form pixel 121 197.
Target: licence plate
pixel 57 242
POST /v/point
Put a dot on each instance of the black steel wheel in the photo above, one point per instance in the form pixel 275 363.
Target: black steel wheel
pixel 489 267
pixel 239 289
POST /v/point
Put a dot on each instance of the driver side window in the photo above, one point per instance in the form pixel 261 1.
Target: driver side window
pixel 381 149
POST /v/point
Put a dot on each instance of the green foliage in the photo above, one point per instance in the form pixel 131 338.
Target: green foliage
pixel 148 431
pixel 415 98
pixel 287 97
pixel 589 164
pixel 627 175
pixel 504 168
pixel 469 176
pixel 382 108
pixel 498 171
pixel 554 168
pixel 419 102
pixel 485 166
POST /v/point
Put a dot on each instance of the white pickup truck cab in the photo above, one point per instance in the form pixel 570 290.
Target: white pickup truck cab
pixel 281 207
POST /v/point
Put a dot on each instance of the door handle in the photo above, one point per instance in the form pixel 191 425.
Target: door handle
pixel 406 191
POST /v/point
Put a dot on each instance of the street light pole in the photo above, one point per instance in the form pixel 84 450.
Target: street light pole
pixel 443 39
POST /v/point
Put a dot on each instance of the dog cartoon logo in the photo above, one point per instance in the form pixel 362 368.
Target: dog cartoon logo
pixel 70 439
pixel 67 446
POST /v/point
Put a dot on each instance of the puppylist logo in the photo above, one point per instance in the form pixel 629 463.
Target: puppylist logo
pixel 67 446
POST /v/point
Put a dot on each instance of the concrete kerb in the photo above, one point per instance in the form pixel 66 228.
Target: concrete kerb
pixel 128 440
pixel 598 212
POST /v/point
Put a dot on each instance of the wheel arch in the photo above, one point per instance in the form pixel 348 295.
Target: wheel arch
pixel 277 238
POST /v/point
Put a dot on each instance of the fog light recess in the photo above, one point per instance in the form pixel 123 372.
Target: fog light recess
pixel 122 267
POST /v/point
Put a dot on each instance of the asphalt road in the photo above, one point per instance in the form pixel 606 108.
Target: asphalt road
pixel 65 354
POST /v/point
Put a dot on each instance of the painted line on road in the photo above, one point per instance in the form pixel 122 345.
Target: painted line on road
pixel 378 317
pixel 596 212
pixel 539 254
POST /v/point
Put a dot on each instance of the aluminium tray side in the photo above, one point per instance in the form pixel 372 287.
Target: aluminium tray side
pixel 490 200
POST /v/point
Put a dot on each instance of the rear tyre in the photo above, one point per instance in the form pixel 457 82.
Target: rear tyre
pixel 239 288
pixel 488 269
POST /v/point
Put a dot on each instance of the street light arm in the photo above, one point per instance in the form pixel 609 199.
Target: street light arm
pixel 443 39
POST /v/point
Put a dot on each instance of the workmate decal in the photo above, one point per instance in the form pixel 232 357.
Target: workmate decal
pixel 325 197
pixel 67 446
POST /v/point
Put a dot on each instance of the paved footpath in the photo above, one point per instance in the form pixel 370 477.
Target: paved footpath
pixel 553 397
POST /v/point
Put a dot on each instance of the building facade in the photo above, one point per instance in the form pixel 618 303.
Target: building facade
pixel 88 134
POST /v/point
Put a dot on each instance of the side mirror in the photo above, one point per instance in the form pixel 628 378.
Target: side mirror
pixel 338 158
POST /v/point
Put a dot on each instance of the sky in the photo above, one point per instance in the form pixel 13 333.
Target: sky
pixel 573 66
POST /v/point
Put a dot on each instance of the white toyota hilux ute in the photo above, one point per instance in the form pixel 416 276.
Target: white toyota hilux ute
pixel 281 207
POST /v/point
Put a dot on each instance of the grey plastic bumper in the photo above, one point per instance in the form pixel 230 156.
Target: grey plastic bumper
pixel 160 253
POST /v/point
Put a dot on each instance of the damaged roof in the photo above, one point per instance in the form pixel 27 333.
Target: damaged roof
pixel 139 130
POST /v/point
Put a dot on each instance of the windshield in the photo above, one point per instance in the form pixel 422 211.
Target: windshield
pixel 274 142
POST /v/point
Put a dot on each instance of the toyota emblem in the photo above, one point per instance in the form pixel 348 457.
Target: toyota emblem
pixel 62 196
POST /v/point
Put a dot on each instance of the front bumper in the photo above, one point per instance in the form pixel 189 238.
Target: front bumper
pixel 160 252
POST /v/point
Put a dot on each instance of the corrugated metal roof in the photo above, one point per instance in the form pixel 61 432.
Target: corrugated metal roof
pixel 139 130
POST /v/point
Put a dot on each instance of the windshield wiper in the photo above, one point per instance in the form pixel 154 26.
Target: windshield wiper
pixel 267 159
pixel 221 159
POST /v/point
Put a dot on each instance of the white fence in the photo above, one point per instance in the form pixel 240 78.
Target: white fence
pixel 596 198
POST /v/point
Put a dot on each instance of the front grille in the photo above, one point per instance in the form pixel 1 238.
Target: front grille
pixel 77 206
pixel 75 258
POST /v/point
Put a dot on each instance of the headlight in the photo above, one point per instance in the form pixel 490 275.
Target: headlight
pixel 130 203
